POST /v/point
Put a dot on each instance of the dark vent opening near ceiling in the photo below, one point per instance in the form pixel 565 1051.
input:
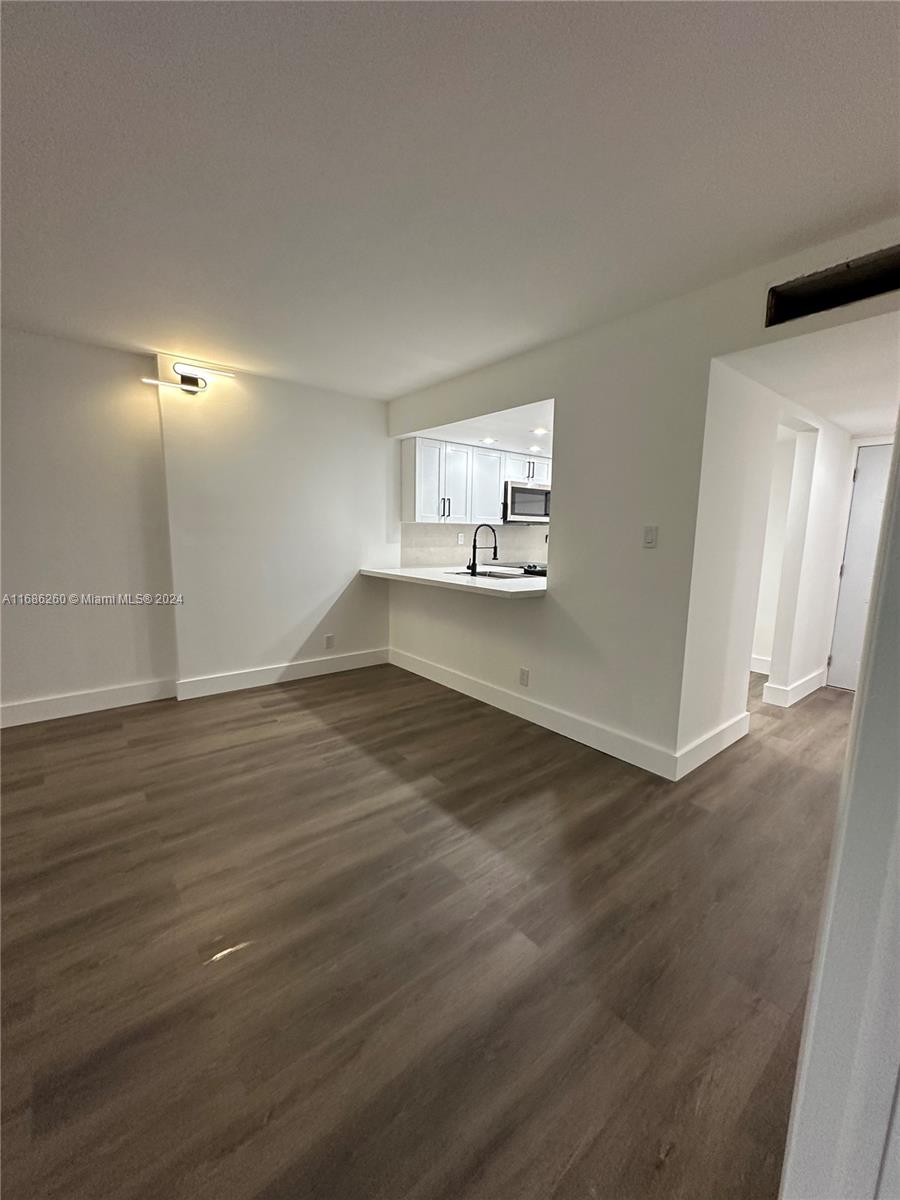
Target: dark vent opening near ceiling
pixel 858 279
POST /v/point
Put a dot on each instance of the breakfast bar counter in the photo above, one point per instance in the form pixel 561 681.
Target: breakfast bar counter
pixel 512 585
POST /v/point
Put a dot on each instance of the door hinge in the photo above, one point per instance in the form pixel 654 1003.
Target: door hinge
pixel 841 572
pixel 828 663
pixel 855 473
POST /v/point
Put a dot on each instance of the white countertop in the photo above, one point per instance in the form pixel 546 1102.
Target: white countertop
pixel 515 586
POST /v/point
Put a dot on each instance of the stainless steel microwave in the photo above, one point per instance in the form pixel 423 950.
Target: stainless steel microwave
pixel 526 503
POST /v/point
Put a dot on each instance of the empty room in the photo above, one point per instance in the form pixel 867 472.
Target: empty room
pixel 450 612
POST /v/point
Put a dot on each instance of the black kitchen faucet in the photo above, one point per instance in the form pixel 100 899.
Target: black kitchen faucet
pixel 473 565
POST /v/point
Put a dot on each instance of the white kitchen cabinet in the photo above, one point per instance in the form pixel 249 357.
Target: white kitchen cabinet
pixel 451 483
pixel 457 482
pixel 517 467
pixel 540 470
pixel 436 481
pixel 429 488
pixel 487 485
pixel 527 470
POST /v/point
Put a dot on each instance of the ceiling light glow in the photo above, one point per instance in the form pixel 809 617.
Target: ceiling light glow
pixel 535 449
pixel 540 430
pixel 489 441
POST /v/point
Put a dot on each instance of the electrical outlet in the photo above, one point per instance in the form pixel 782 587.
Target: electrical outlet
pixel 460 539
pixel 329 641
pixel 651 534
pixel 524 676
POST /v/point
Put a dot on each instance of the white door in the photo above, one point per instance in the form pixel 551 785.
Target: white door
pixel 457 477
pixel 540 470
pixel 869 489
pixel 430 504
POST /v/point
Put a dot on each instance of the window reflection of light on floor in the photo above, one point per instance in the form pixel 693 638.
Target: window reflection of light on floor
pixel 227 951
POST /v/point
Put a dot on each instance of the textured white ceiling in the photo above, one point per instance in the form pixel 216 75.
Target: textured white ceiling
pixel 375 196
pixel 849 374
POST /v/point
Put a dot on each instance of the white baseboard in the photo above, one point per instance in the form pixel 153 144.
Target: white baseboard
pixel 784 697
pixel 233 681
pixel 762 666
pixel 710 744
pixel 630 749
pixel 48 708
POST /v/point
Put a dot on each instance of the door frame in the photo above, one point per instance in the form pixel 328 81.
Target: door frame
pixel 884 439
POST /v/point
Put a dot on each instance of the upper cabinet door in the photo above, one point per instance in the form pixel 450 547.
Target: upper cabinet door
pixel 457 482
pixel 487 485
pixel 430 503
pixel 540 470
pixel 518 467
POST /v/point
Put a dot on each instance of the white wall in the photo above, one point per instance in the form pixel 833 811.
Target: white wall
pixel 823 549
pixel 605 644
pixel 773 552
pixel 606 647
pixel 850 1057
pixel 787 611
pixel 83 511
pixel 738 451
pixel 738 463
pixel 278 494
pixel 271 498
pixel 814 542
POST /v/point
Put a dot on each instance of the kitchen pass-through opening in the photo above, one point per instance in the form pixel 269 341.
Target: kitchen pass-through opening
pixel 492 470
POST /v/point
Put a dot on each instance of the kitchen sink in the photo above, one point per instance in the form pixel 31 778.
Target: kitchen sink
pixel 491 574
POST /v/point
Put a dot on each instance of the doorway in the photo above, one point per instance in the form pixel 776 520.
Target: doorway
pixel 836 394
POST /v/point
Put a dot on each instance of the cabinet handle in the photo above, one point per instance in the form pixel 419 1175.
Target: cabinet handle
pixel 448 506
pixel 443 506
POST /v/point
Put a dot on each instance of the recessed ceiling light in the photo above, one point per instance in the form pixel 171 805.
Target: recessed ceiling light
pixel 489 441
pixel 535 449
pixel 540 429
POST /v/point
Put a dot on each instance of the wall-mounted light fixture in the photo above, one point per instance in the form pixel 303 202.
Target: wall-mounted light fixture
pixel 181 368
pixel 189 383
pixel 192 377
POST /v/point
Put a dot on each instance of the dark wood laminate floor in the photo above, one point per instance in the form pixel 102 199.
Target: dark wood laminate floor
pixel 361 937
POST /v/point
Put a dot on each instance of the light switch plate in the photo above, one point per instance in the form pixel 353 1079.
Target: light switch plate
pixel 651 536
pixel 329 641
pixel 524 676
pixel 460 539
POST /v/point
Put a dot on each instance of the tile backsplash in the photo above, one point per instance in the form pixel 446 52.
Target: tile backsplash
pixel 424 545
